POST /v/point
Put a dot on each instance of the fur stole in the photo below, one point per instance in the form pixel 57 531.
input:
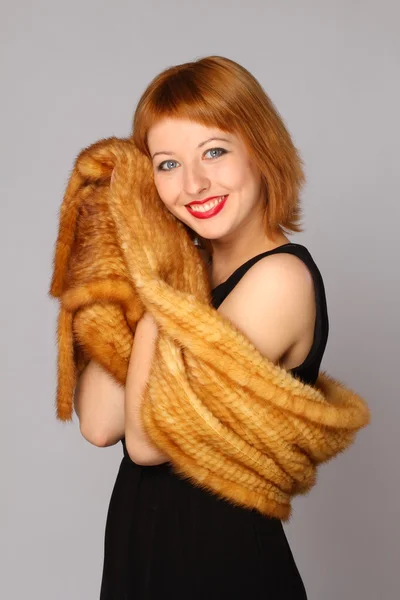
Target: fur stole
pixel 231 421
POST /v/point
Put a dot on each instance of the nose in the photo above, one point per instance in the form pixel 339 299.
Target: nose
pixel 195 180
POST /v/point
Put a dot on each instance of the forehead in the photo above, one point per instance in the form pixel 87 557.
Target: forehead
pixel 174 130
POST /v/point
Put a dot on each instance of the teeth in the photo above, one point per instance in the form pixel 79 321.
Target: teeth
pixel 206 207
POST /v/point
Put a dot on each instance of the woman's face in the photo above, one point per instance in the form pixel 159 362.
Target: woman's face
pixel 190 164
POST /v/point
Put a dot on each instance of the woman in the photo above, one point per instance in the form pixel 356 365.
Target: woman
pixel 225 165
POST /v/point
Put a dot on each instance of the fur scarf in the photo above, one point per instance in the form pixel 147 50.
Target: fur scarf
pixel 231 421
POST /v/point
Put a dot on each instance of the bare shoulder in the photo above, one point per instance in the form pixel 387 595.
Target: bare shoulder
pixel 284 271
pixel 273 304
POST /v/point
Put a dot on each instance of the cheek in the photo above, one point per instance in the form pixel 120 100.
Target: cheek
pixel 167 187
pixel 235 176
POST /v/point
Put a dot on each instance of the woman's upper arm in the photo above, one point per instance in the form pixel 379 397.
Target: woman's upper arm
pixel 99 404
pixel 272 304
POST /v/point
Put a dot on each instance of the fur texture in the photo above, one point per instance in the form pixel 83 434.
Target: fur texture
pixel 231 421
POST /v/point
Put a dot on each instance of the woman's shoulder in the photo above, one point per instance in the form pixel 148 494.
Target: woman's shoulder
pixel 265 303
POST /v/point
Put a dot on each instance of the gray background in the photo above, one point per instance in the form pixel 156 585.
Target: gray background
pixel 72 73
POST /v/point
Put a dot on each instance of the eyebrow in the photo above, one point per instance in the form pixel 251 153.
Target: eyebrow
pixel 221 139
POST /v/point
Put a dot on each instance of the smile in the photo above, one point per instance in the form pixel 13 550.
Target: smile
pixel 205 211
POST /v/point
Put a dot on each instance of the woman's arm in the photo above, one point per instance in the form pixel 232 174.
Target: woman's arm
pixel 99 404
pixel 138 444
pixel 108 412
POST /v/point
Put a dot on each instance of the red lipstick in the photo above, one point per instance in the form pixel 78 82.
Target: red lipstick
pixel 209 213
pixel 205 200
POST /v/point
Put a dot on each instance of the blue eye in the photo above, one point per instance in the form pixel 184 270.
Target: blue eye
pixel 221 150
pixel 165 162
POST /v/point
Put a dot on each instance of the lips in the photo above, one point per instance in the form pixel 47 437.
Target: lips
pixel 204 201
pixel 208 213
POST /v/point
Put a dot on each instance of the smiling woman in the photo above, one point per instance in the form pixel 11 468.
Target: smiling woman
pixel 225 166
pixel 202 180
pixel 224 97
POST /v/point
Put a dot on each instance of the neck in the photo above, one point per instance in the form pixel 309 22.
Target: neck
pixel 223 263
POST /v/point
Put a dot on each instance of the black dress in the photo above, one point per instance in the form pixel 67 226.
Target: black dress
pixel 166 538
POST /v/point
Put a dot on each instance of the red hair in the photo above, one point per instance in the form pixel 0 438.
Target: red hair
pixel 218 92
